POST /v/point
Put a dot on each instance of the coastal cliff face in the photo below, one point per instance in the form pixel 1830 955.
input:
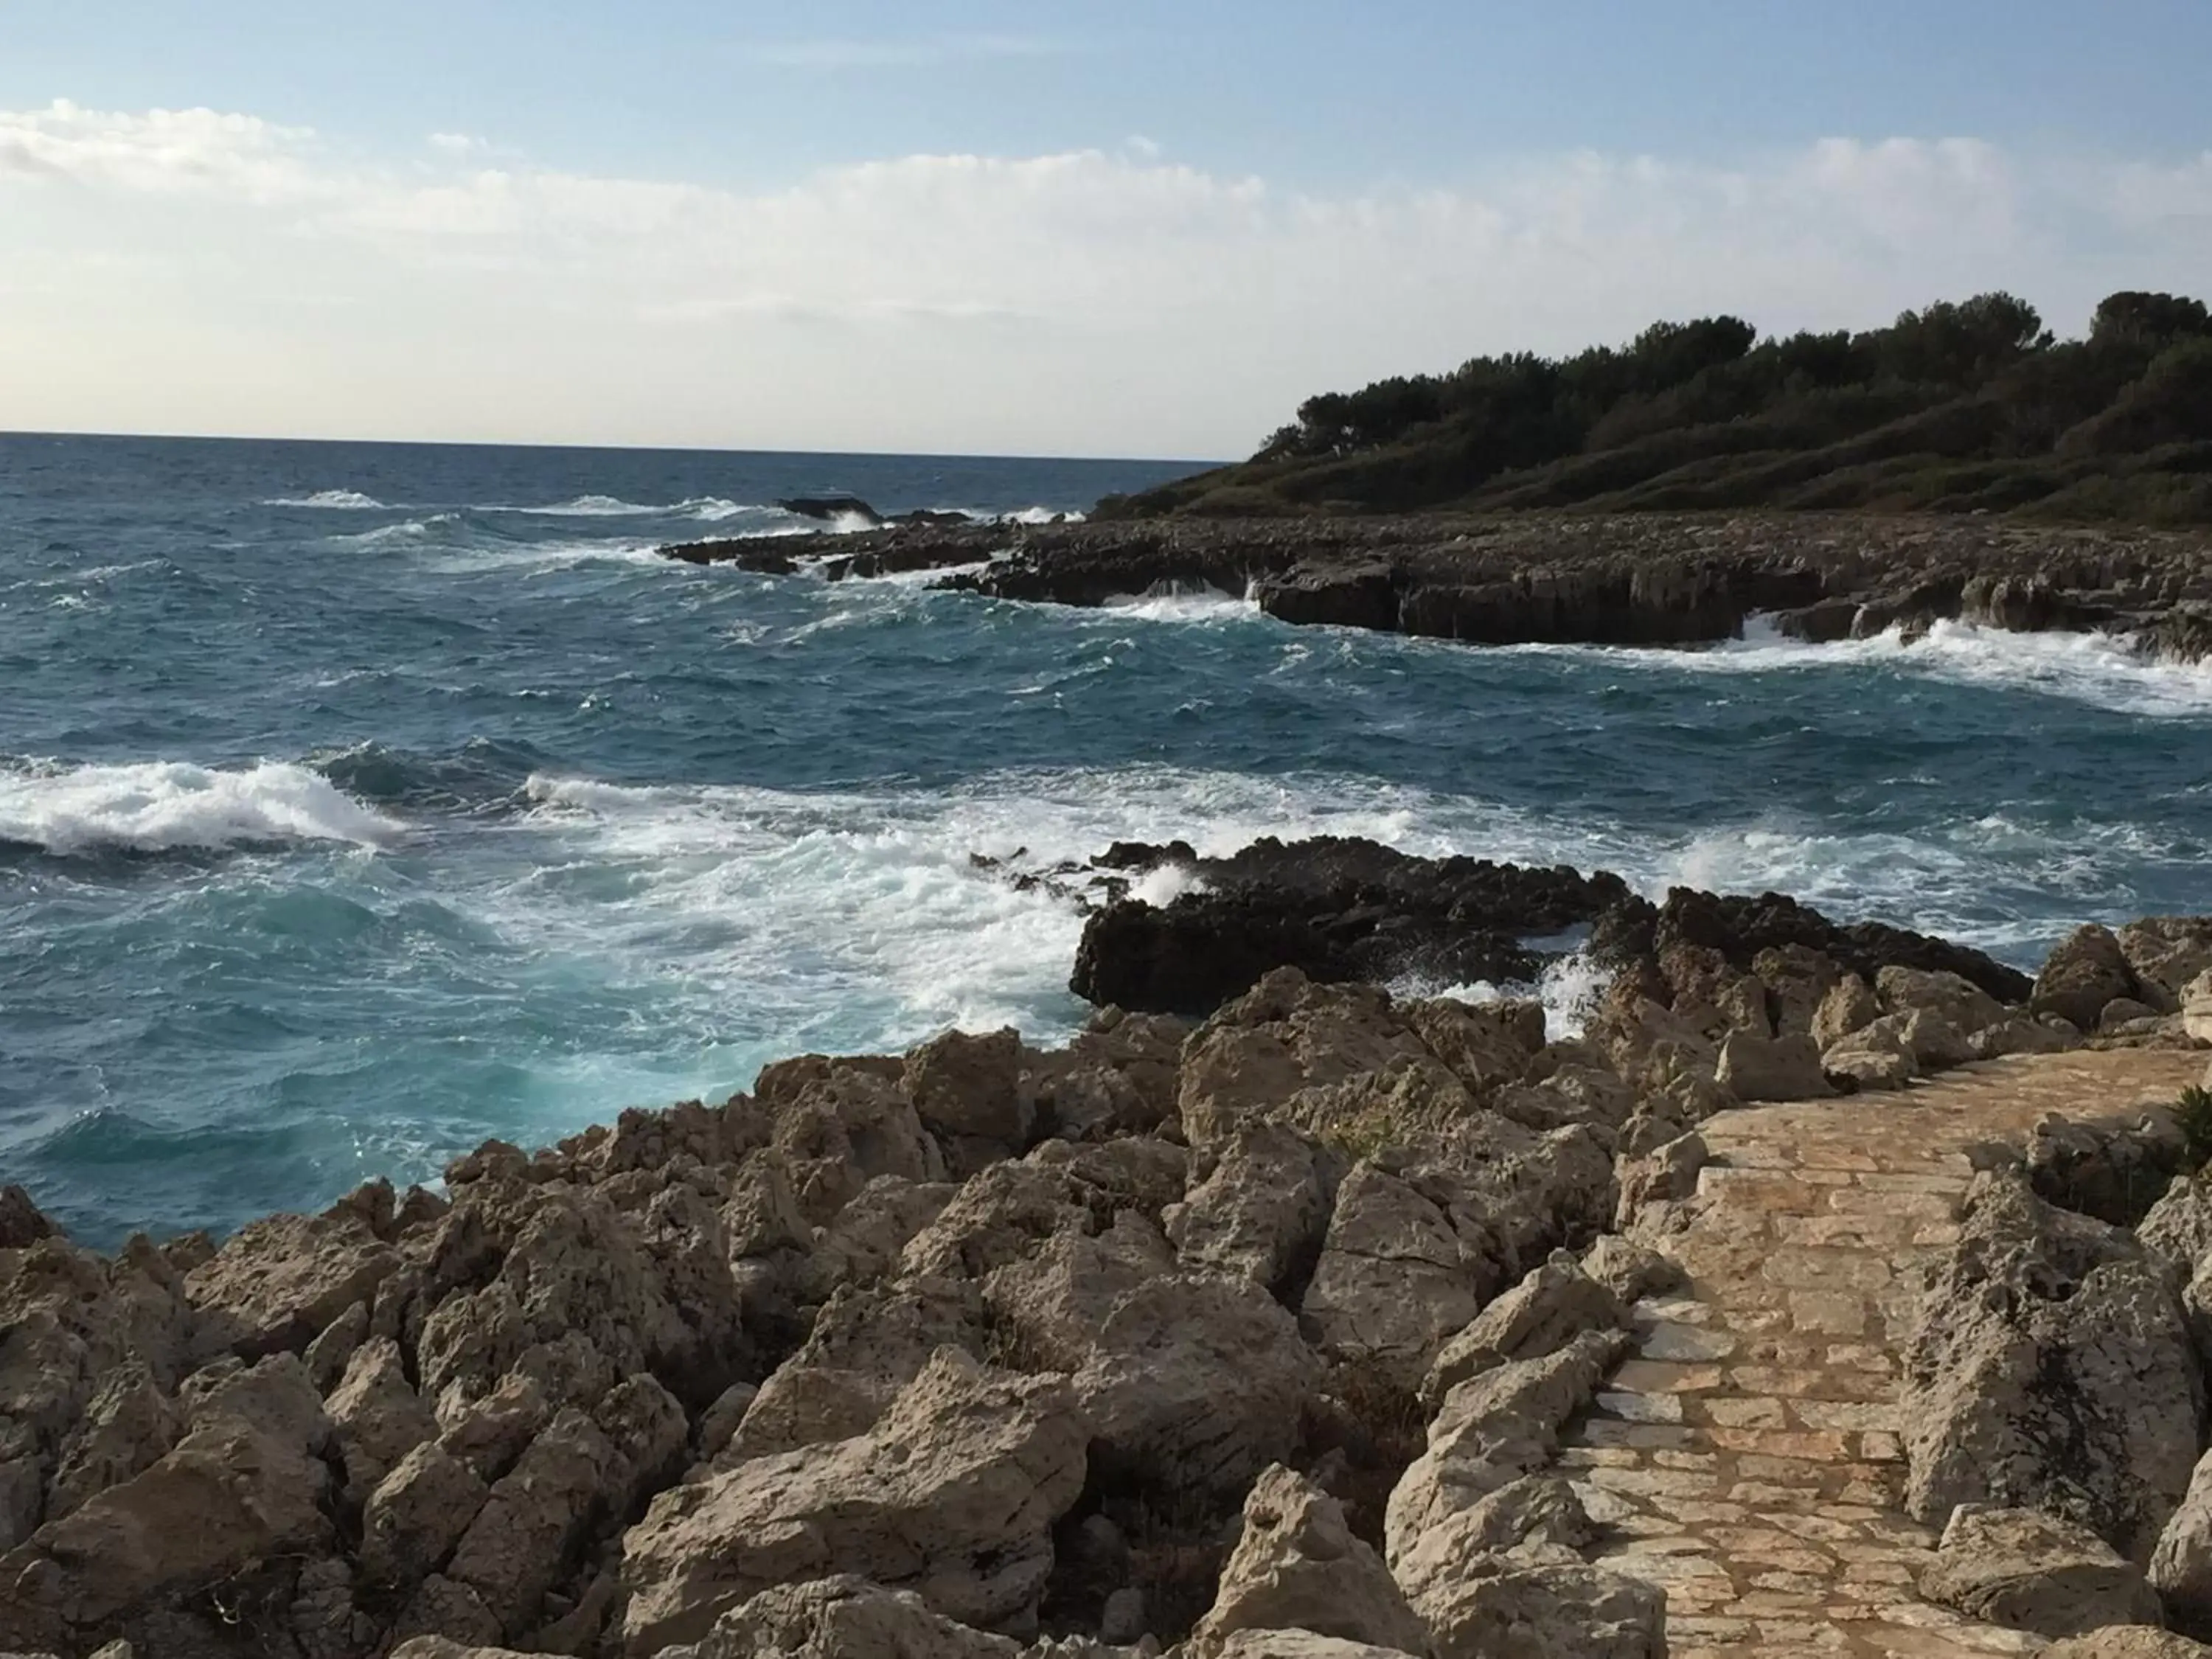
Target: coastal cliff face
pixel 1619 580
pixel 1274 1326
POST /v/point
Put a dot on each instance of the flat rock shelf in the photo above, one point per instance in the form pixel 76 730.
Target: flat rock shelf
pixel 1746 1459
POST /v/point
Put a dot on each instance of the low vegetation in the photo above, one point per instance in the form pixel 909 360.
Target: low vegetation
pixel 1962 407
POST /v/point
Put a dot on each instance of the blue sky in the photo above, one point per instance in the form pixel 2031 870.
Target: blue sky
pixel 1136 228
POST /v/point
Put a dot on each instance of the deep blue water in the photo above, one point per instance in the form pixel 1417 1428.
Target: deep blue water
pixel 360 802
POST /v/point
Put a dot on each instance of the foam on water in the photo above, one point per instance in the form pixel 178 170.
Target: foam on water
pixel 338 500
pixel 1177 602
pixel 166 804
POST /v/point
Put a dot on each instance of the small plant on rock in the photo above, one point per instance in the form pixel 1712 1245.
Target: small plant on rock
pixel 2192 1114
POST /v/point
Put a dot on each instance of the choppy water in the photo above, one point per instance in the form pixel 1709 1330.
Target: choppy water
pixel 357 803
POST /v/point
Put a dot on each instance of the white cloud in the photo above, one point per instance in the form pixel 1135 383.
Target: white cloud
pixel 205 271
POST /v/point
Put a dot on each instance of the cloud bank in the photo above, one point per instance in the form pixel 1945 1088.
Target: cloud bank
pixel 197 270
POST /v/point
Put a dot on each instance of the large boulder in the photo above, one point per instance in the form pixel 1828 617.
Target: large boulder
pixel 277 1282
pixel 1546 1311
pixel 842 1618
pixel 2128 1642
pixel 1296 1566
pixel 1299 1644
pixel 952 1495
pixel 969 1091
pixel 2165 953
pixel 2178 1228
pixel 2087 971
pixel 1957 1000
pixel 1261 1210
pixel 1394 1279
pixel 2181 1566
pixel 1117 1076
pixel 2035 1572
pixel 2051 1369
pixel 1538 1610
pixel 1191 1384
pixel 1763 1068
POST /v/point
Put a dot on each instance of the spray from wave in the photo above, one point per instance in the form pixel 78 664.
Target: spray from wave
pixel 161 806
pixel 333 500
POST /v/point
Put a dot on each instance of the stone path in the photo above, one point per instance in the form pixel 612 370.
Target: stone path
pixel 1746 1458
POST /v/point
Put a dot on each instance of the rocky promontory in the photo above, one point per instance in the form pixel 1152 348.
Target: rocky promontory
pixel 1640 579
pixel 1299 1319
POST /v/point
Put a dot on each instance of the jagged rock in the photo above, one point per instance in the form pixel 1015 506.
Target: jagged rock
pixel 2178 1227
pixel 1952 998
pixel 1760 1068
pixel 864 1243
pixel 2165 953
pixel 1850 1005
pixel 491 1432
pixel 2121 1012
pixel 129 1425
pixel 2196 1008
pixel 845 1618
pixel 329 1354
pixel 1117 1076
pixel 2181 1566
pixel 277 1282
pixel 1394 1280
pixel 438 1647
pixel 2114 1170
pixel 953 1492
pixel 1542 1313
pixel 1192 1383
pixel 1488 1045
pixel 1299 1644
pixel 1492 1429
pixel 1536 1612
pixel 1799 980
pixel 2035 1572
pixel 2128 1642
pixel 1629 1270
pixel 968 1091
pixel 2018 1035
pixel 1262 1211
pixel 842 1122
pixel 998 1216
pixel 244 1484
pixel 1666 1176
pixel 1535 1518
pixel 442 1609
pixel 865 1347
pixel 379 1418
pixel 2051 1367
pixel 22 1222
pixel 1934 1039
pixel 1296 1566
pixel 2086 973
pixel 761 1214
pixel 1875 1057
pixel 525 1535
pixel 416 1513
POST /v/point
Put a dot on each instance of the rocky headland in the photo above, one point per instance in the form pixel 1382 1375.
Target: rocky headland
pixel 1834 1289
pixel 1623 579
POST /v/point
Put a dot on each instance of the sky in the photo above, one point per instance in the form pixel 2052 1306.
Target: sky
pixel 1141 228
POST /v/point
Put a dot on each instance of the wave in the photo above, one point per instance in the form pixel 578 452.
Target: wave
pixel 1174 602
pixel 159 805
pixel 336 500
pixel 2104 670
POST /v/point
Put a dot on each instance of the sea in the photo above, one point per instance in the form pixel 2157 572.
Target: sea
pixel 359 803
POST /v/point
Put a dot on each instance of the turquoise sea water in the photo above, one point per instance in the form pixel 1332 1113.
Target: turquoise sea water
pixel 360 802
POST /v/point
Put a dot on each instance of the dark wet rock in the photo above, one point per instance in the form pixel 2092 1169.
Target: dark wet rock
pixel 830 508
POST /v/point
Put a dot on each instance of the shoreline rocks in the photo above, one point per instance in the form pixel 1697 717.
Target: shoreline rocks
pixel 1256 1335
pixel 1629 578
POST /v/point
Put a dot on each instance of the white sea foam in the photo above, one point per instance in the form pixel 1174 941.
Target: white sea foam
pixel 1177 602
pixel 338 500
pixel 2101 670
pixel 156 805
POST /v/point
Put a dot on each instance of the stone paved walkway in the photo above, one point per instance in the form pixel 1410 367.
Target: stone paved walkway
pixel 1746 1458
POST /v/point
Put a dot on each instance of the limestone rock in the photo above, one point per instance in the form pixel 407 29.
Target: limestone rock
pixel 842 1122
pixel 2196 1007
pixel 1117 1076
pixel 1799 980
pixel 417 1514
pixel 840 1618
pixel 1668 1174
pixel 2128 1642
pixel 2181 1566
pixel 2052 1368
pixel 1541 1315
pixel 864 1242
pixel 1190 1383
pixel 2082 975
pixel 1492 1429
pixel 1850 1005
pixel 1299 1644
pixel 1261 1212
pixel 1757 1068
pixel 1296 1566
pixel 1486 1045
pixel 2035 1572
pixel 2178 1227
pixel 2165 953
pixel 967 1090
pixel 1952 998
pixel 2115 1168
pixel 952 1494
pixel 277 1282
pixel 1394 1280
pixel 1876 1057
pixel 2021 1035
pixel 378 1418
pixel 1539 1611
pixel 129 1425
pixel 1629 1270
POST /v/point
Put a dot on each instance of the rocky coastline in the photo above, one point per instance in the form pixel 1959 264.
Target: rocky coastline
pixel 1277 1315
pixel 1650 579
